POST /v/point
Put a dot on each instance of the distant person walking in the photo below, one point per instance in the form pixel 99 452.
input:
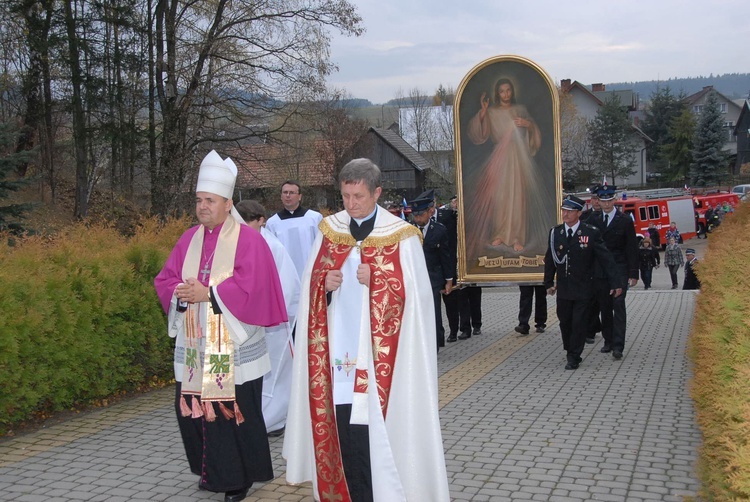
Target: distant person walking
pixel 673 259
pixel 648 260
pixel 691 280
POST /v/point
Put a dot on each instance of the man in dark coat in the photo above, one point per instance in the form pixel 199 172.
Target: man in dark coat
pixel 573 252
pixel 594 211
pixel 440 267
pixel 448 216
pixel 691 280
pixel 618 232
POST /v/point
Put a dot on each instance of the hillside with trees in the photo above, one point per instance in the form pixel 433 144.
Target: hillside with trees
pixel 732 85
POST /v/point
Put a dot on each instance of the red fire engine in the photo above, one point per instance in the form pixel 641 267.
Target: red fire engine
pixel 660 207
pixel 714 198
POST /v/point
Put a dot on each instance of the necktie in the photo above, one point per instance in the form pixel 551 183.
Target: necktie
pixel 570 236
pixel 606 220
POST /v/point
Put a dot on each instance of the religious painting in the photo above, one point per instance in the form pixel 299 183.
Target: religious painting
pixel 509 174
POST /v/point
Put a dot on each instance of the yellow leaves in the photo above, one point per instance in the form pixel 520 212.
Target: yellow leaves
pixel 720 350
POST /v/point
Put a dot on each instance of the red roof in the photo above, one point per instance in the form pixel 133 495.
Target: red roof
pixel 269 165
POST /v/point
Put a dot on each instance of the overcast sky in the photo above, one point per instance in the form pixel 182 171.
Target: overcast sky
pixel 419 43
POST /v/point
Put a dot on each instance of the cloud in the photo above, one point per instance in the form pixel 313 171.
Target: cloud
pixel 422 44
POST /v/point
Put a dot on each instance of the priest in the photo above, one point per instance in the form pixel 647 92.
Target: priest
pixel 294 225
pixel 363 420
pixel 220 290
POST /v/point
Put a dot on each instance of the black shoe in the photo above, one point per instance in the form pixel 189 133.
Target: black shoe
pixel 617 354
pixel 451 338
pixel 477 331
pixel 540 329
pixel 605 349
pixel 235 495
pixel 524 330
pixel 276 433
pixel 590 339
pixel 464 335
pixel 571 366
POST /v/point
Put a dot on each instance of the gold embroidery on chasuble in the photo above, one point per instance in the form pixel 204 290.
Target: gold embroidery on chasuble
pixel 386 299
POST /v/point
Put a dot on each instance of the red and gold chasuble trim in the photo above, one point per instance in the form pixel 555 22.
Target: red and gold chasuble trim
pixel 387 299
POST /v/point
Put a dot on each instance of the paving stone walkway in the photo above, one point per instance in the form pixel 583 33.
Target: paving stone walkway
pixel 516 425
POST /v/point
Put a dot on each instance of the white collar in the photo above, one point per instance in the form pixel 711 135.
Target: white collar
pixel 360 220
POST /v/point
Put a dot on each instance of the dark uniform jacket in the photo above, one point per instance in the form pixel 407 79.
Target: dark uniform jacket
pixel 575 265
pixel 449 218
pixel 437 255
pixel 620 239
pixel 691 280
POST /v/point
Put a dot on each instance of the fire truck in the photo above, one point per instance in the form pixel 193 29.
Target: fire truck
pixel 714 198
pixel 660 207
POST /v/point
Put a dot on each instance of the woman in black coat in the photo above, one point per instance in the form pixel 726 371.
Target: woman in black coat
pixel 648 260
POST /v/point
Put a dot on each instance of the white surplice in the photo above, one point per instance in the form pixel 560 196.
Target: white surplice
pixel 277 383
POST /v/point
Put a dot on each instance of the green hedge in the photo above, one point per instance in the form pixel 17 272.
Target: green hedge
pixel 720 350
pixel 80 318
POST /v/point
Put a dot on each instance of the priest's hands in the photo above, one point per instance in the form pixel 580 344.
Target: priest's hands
pixel 334 278
pixel 363 274
pixel 192 291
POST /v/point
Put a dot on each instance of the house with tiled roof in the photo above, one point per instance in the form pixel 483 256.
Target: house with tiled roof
pixel 587 103
pixel 263 168
pixel 405 172
pixel 730 109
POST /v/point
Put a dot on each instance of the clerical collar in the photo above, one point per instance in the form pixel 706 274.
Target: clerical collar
pixel 360 220
pixel 297 213
pixel 360 228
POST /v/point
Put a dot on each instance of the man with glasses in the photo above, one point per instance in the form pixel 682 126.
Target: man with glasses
pixel 295 226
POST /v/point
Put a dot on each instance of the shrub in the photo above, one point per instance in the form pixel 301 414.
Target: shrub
pixel 81 321
pixel 720 350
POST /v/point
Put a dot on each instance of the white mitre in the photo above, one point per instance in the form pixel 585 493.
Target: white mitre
pixel 233 167
pixel 216 176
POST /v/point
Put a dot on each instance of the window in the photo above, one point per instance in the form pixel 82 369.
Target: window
pixel 653 212
pixel 642 213
pixel 697 108
pixel 723 107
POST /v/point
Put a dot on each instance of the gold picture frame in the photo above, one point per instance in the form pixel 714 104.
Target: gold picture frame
pixel 508 170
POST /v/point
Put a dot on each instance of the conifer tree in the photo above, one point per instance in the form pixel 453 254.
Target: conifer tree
pixel 709 159
pixel 9 182
pixel 679 152
pixel 610 141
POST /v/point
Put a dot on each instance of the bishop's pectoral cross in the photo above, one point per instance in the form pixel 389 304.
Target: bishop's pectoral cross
pixel 205 272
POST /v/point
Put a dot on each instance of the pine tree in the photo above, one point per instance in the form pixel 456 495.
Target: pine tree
pixel 709 159
pixel 662 111
pixel 610 141
pixel 679 152
pixel 9 163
